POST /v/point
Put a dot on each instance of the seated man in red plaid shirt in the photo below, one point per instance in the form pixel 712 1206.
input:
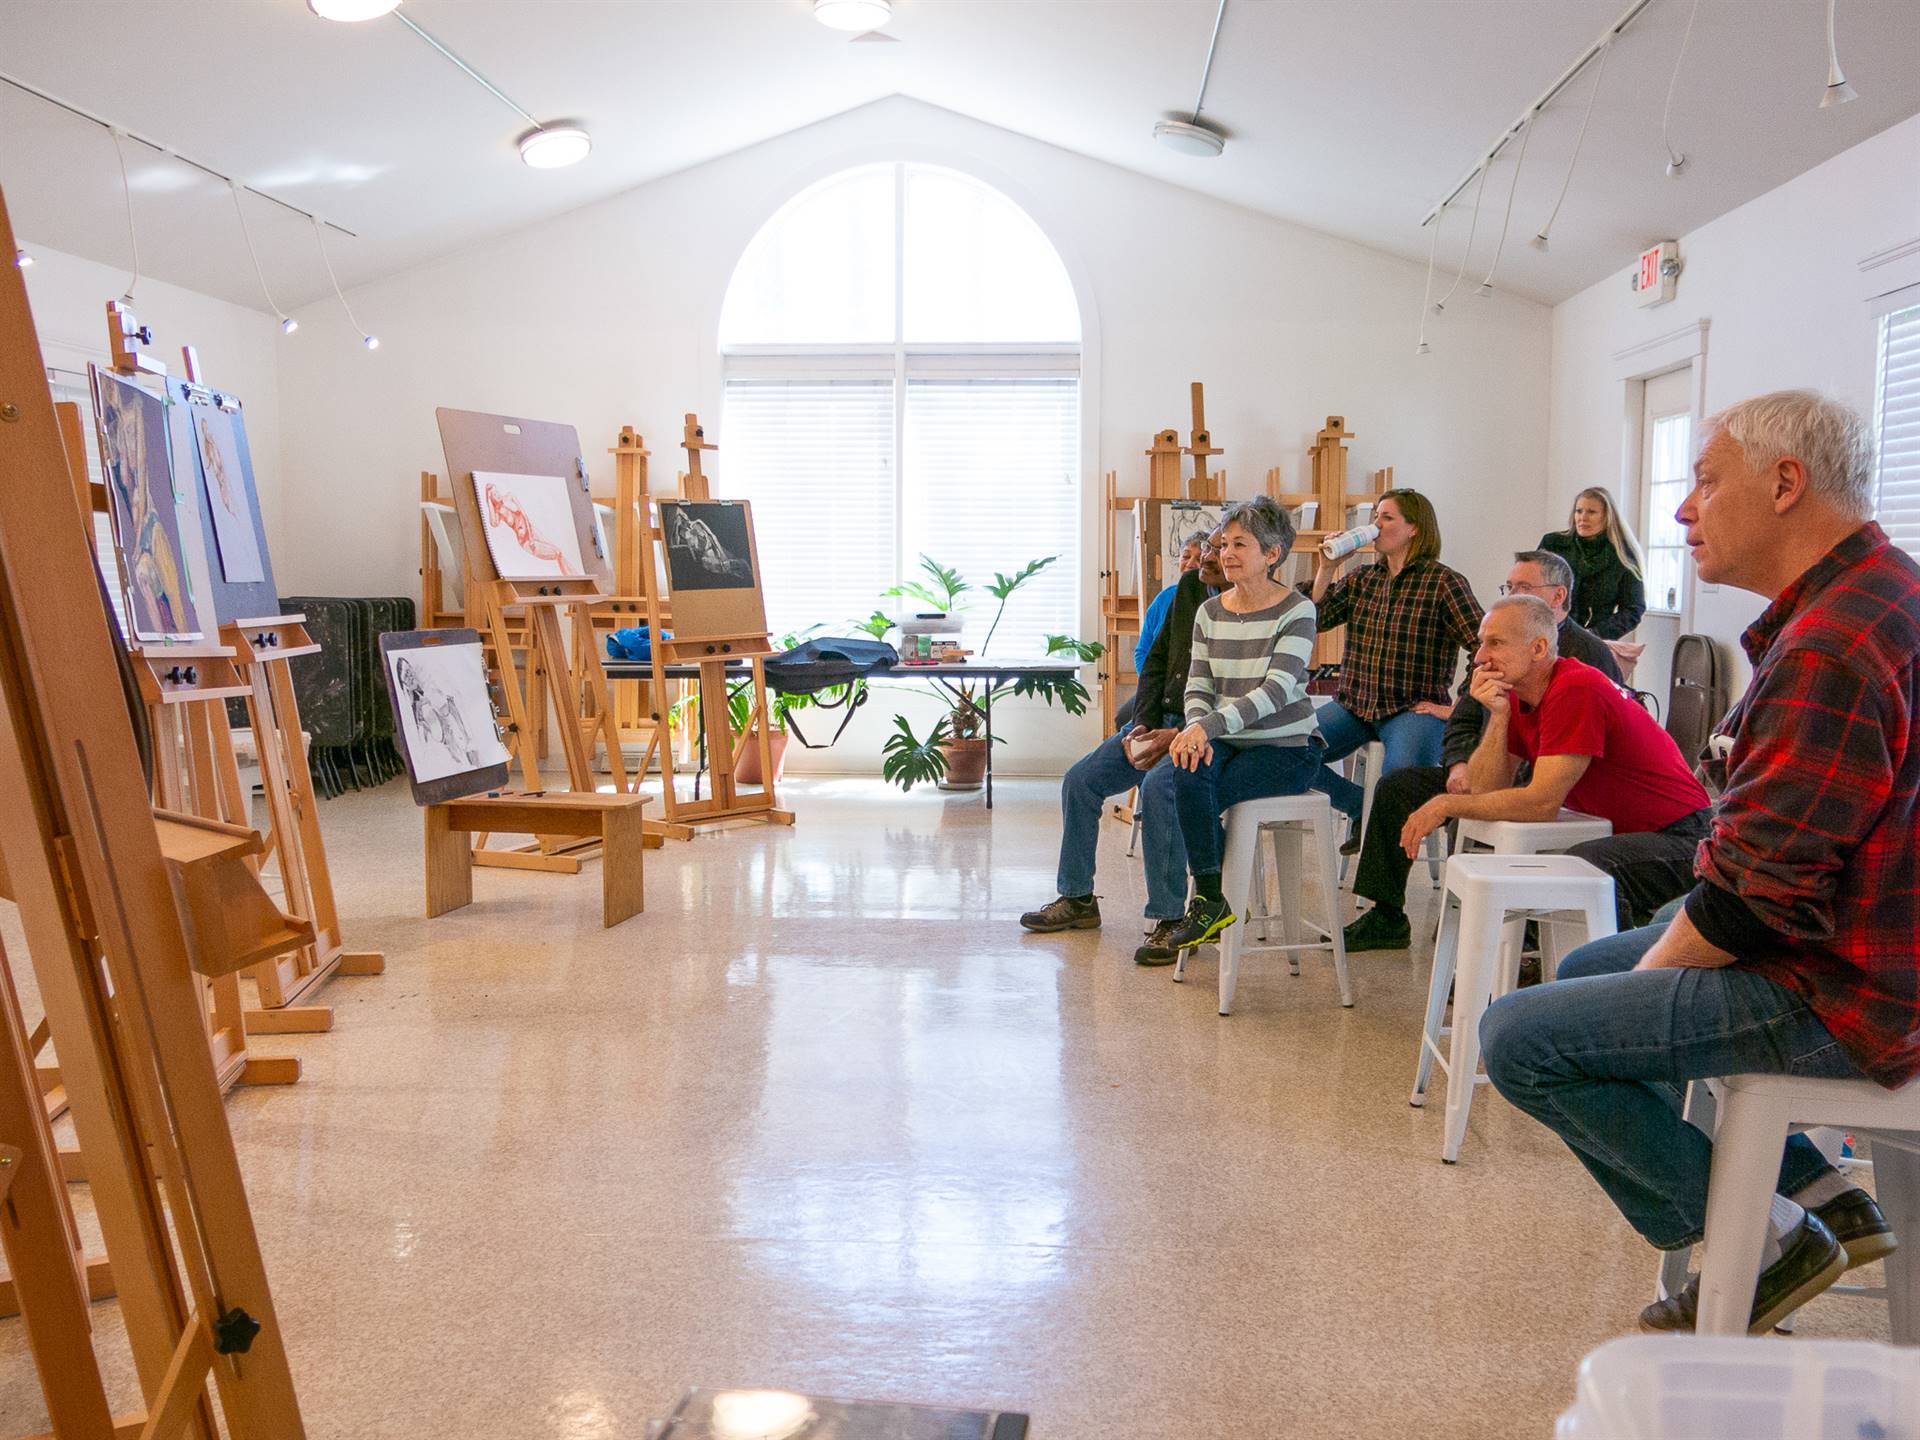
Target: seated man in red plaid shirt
pixel 1798 949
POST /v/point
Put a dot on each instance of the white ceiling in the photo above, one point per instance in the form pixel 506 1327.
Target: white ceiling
pixel 1350 116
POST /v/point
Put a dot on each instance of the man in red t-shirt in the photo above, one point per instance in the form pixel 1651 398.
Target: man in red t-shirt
pixel 1592 747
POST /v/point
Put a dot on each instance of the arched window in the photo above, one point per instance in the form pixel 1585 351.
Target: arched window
pixel 901 348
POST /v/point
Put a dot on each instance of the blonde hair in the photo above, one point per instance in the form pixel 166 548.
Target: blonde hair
pixel 1625 544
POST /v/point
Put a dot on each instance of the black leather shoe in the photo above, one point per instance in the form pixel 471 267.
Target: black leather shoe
pixel 1809 1262
pixel 1351 845
pixel 1859 1226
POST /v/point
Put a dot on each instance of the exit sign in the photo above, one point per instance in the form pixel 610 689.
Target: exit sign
pixel 1657 277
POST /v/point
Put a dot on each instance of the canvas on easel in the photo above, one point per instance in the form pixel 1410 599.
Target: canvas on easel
pixel 713 569
pixel 240 572
pixel 160 602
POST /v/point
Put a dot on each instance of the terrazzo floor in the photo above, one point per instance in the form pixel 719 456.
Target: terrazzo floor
pixel 825 1118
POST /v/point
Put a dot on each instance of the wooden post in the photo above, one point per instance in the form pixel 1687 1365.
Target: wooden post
pixel 1203 486
pixel 1163 466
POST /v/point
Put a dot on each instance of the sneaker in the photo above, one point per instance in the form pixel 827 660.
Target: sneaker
pixel 1810 1260
pixel 1066 913
pixel 1158 948
pixel 1374 931
pixel 1204 922
pixel 1858 1225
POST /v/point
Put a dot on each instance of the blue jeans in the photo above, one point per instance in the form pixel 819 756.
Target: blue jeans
pixel 1602 1055
pixel 1103 772
pixel 1410 740
pixel 1236 773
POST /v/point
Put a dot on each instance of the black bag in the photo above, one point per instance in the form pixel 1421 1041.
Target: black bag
pixel 1697 699
pixel 829 664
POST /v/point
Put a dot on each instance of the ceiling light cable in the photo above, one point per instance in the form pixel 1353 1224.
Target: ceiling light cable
pixel 133 236
pixel 287 323
pixel 1486 281
pixel 371 341
pixel 1539 241
pixel 1420 346
pixel 1472 229
pixel 1206 71
pixel 1676 162
pixel 1838 91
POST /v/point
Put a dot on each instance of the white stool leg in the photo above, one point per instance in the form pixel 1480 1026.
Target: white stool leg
pixel 1896 1185
pixel 1287 845
pixel 1445 947
pixel 1746 1167
pixel 1506 973
pixel 1700 1111
pixel 1258 910
pixel 1476 957
pixel 1236 875
pixel 1329 857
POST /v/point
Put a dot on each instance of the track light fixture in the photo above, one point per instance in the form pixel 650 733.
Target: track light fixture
pixel 371 341
pixel 22 259
pixel 549 144
pixel 1599 73
pixel 1420 346
pixel 1839 92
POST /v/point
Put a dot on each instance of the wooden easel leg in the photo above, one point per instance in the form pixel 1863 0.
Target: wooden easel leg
pixel 622 887
pixel 449 865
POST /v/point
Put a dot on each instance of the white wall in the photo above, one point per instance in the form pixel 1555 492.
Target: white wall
pixel 1779 281
pixel 239 348
pixel 608 316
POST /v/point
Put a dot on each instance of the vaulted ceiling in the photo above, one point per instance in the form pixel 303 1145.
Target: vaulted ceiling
pixel 1350 116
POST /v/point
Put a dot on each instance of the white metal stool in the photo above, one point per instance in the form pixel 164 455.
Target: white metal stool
pixel 1288 820
pixel 1525 837
pixel 1370 760
pixel 1755 1114
pixel 1482 894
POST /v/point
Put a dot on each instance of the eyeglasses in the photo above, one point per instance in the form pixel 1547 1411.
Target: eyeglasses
pixel 1522 587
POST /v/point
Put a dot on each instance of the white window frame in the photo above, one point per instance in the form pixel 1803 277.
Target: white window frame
pixel 1902 305
pixel 1631 368
pixel 901 362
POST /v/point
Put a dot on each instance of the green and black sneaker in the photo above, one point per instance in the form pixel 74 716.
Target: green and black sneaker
pixel 1081 912
pixel 1375 931
pixel 1158 948
pixel 1205 921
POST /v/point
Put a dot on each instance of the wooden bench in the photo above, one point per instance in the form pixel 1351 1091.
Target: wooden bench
pixel 612 819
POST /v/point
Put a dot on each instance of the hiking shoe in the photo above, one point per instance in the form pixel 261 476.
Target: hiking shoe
pixel 1067 913
pixel 1856 1222
pixel 1810 1260
pixel 1204 922
pixel 1374 931
pixel 1158 948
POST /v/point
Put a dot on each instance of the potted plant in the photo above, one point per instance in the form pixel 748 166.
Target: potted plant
pixel 953 753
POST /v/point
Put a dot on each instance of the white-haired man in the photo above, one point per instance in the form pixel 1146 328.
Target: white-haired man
pixel 1798 950
pixel 1591 746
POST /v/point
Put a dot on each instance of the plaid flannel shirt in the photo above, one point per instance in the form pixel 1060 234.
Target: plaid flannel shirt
pixel 1404 637
pixel 1811 875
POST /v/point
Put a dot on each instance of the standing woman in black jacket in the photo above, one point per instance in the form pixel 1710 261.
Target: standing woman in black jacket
pixel 1608 597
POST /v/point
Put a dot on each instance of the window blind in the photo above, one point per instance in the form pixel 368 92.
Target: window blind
pixel 1897 424
pixel 815 458
pixel 991 467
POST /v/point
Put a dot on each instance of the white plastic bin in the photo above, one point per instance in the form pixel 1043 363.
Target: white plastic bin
pixel 1685 1387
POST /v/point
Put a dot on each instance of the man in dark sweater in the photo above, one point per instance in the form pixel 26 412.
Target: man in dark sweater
pixel 1134 757
pixel 1382 876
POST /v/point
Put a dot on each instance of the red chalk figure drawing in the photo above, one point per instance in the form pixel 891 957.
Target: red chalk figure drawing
pixel 529 525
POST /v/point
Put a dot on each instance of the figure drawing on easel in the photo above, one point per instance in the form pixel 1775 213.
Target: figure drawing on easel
pixel 146 520
pixel 227 496
pixel 441 706
pixel 707 545
pixel 529 526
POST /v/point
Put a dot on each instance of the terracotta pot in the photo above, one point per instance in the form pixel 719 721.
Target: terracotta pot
pixel 746 759
pixel 966 764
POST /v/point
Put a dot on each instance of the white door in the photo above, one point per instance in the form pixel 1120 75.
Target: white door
pixel 1666 472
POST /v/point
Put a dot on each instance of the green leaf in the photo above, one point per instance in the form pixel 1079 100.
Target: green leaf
pixel 1005 585
pixel 877 624
pixel 906 760
pixel 1087 650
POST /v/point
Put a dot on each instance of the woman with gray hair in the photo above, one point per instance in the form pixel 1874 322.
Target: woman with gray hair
pixel 1250 728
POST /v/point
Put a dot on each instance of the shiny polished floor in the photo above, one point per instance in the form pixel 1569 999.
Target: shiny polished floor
pixel 825 1118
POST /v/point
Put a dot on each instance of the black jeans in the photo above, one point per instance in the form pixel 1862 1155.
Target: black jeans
pixel 1648 869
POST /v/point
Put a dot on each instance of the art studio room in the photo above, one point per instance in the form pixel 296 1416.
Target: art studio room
pixel 960 719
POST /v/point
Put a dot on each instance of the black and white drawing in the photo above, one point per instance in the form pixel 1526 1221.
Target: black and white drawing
pixel 440 702
pixel 707 545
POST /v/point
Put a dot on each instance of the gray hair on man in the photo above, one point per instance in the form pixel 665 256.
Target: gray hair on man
pixel 1537 618
pixel 1198 537
pixel 1270 525
pixel 1828 438
pixel 1553 568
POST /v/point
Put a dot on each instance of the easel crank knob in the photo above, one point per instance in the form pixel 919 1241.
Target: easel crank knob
pixel 233 1332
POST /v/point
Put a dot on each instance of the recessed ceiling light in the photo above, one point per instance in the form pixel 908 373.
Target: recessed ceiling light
pixel 548 147
pixel 853 14
pixel 1189 137
pixel 352 9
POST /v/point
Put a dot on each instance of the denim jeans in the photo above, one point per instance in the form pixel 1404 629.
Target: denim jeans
pixel 1103 772
pixel 1410 740
pixel 1602 1055
pixel 1236 772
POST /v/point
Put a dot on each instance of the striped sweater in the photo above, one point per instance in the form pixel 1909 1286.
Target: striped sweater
pixel 1248 681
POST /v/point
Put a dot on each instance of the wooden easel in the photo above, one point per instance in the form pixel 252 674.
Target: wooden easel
pixel 481 442
pixel 1327 465
pixel 113 931
pixel 638 711
pixel 1200 447
pixel 712 653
